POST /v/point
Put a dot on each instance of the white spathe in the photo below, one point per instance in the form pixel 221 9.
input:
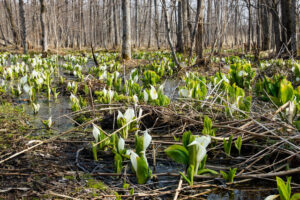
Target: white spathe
pixel 96 132
pixel 120 115
pixel 146 96
pixel 153 93
pixel 36 107
pixel 204 140
pixel 129 114
pixel 50 121
pixel 133 157
pixel 104 92
pixel 73 98
pixel 135 99
pixel 121 144
pixel 201 144
pixel 272 197
pixel 110 94
pixel 185 93
pixel 147 139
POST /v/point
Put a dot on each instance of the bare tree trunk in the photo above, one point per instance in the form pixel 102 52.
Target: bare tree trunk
pixel 292 28
pixel 208 22
pixel 116 41
pixel 126 39
pixel 189 23
pixel 273 4
pixel 66 26
pixel 156 24
pixel 13 25
pixel 236 23
pixel 265 26
pixel 23 25
pixel 165 11
pixel 195 28
pixel 288 13
pixel 186 35
pixel 136 23
pixel 44 40
pixel 150 24
pixel 199 40
pixel 258 23
pixel 249 25
pixel 179 46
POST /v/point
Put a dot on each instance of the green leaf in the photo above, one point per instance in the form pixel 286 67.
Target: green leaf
pixel 131 192
pixel 185 178
pixel 186 138
pixel 178 153
pixel 231 174
pixel 283 190
pixel 238 144
pixel 224 174
pixel 296 196
pixel 190 173
pixel 143 172
pixel 139 144
pixel 118 163
pixel 286 91
pixel 94 150
pixel 202 163
pixel 227 145
pixel 204 171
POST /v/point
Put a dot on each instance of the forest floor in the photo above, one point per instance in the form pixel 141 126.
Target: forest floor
pixel 36 163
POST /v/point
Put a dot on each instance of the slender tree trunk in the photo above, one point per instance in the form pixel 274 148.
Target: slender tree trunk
pixel 265 26
pixel 44 40
pixel 273 4
pixel 288 13
pixel 168 35
pixel 199 40
pixel 189 22
pixel 236 22
pixel 126 39
pixel 136 23
pixel 249 25
pixel 208 22
pixel 186 35
pixel 197 19
pixel 258 23
pixel 150 24
pixel 179 46
pixel 13 25
pixel 116 41
pixel 23 25
pixel 156 24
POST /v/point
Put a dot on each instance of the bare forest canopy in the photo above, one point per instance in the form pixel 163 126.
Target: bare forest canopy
pixel 216 24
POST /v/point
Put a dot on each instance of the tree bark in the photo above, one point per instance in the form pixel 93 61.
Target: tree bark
pixel 44 40
pixel 179 46
pixel 156 24
pixel 199 40
pixel 150 23
pixel 236 23
pixel 288 13
pixel 208 22
pixel 249 25
pixel 168 35
pixel 186 38
pixel 23 25
pixel 273 4
pixel 126 43
pixel 116 40
pixel 265 26
pixel 13 25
